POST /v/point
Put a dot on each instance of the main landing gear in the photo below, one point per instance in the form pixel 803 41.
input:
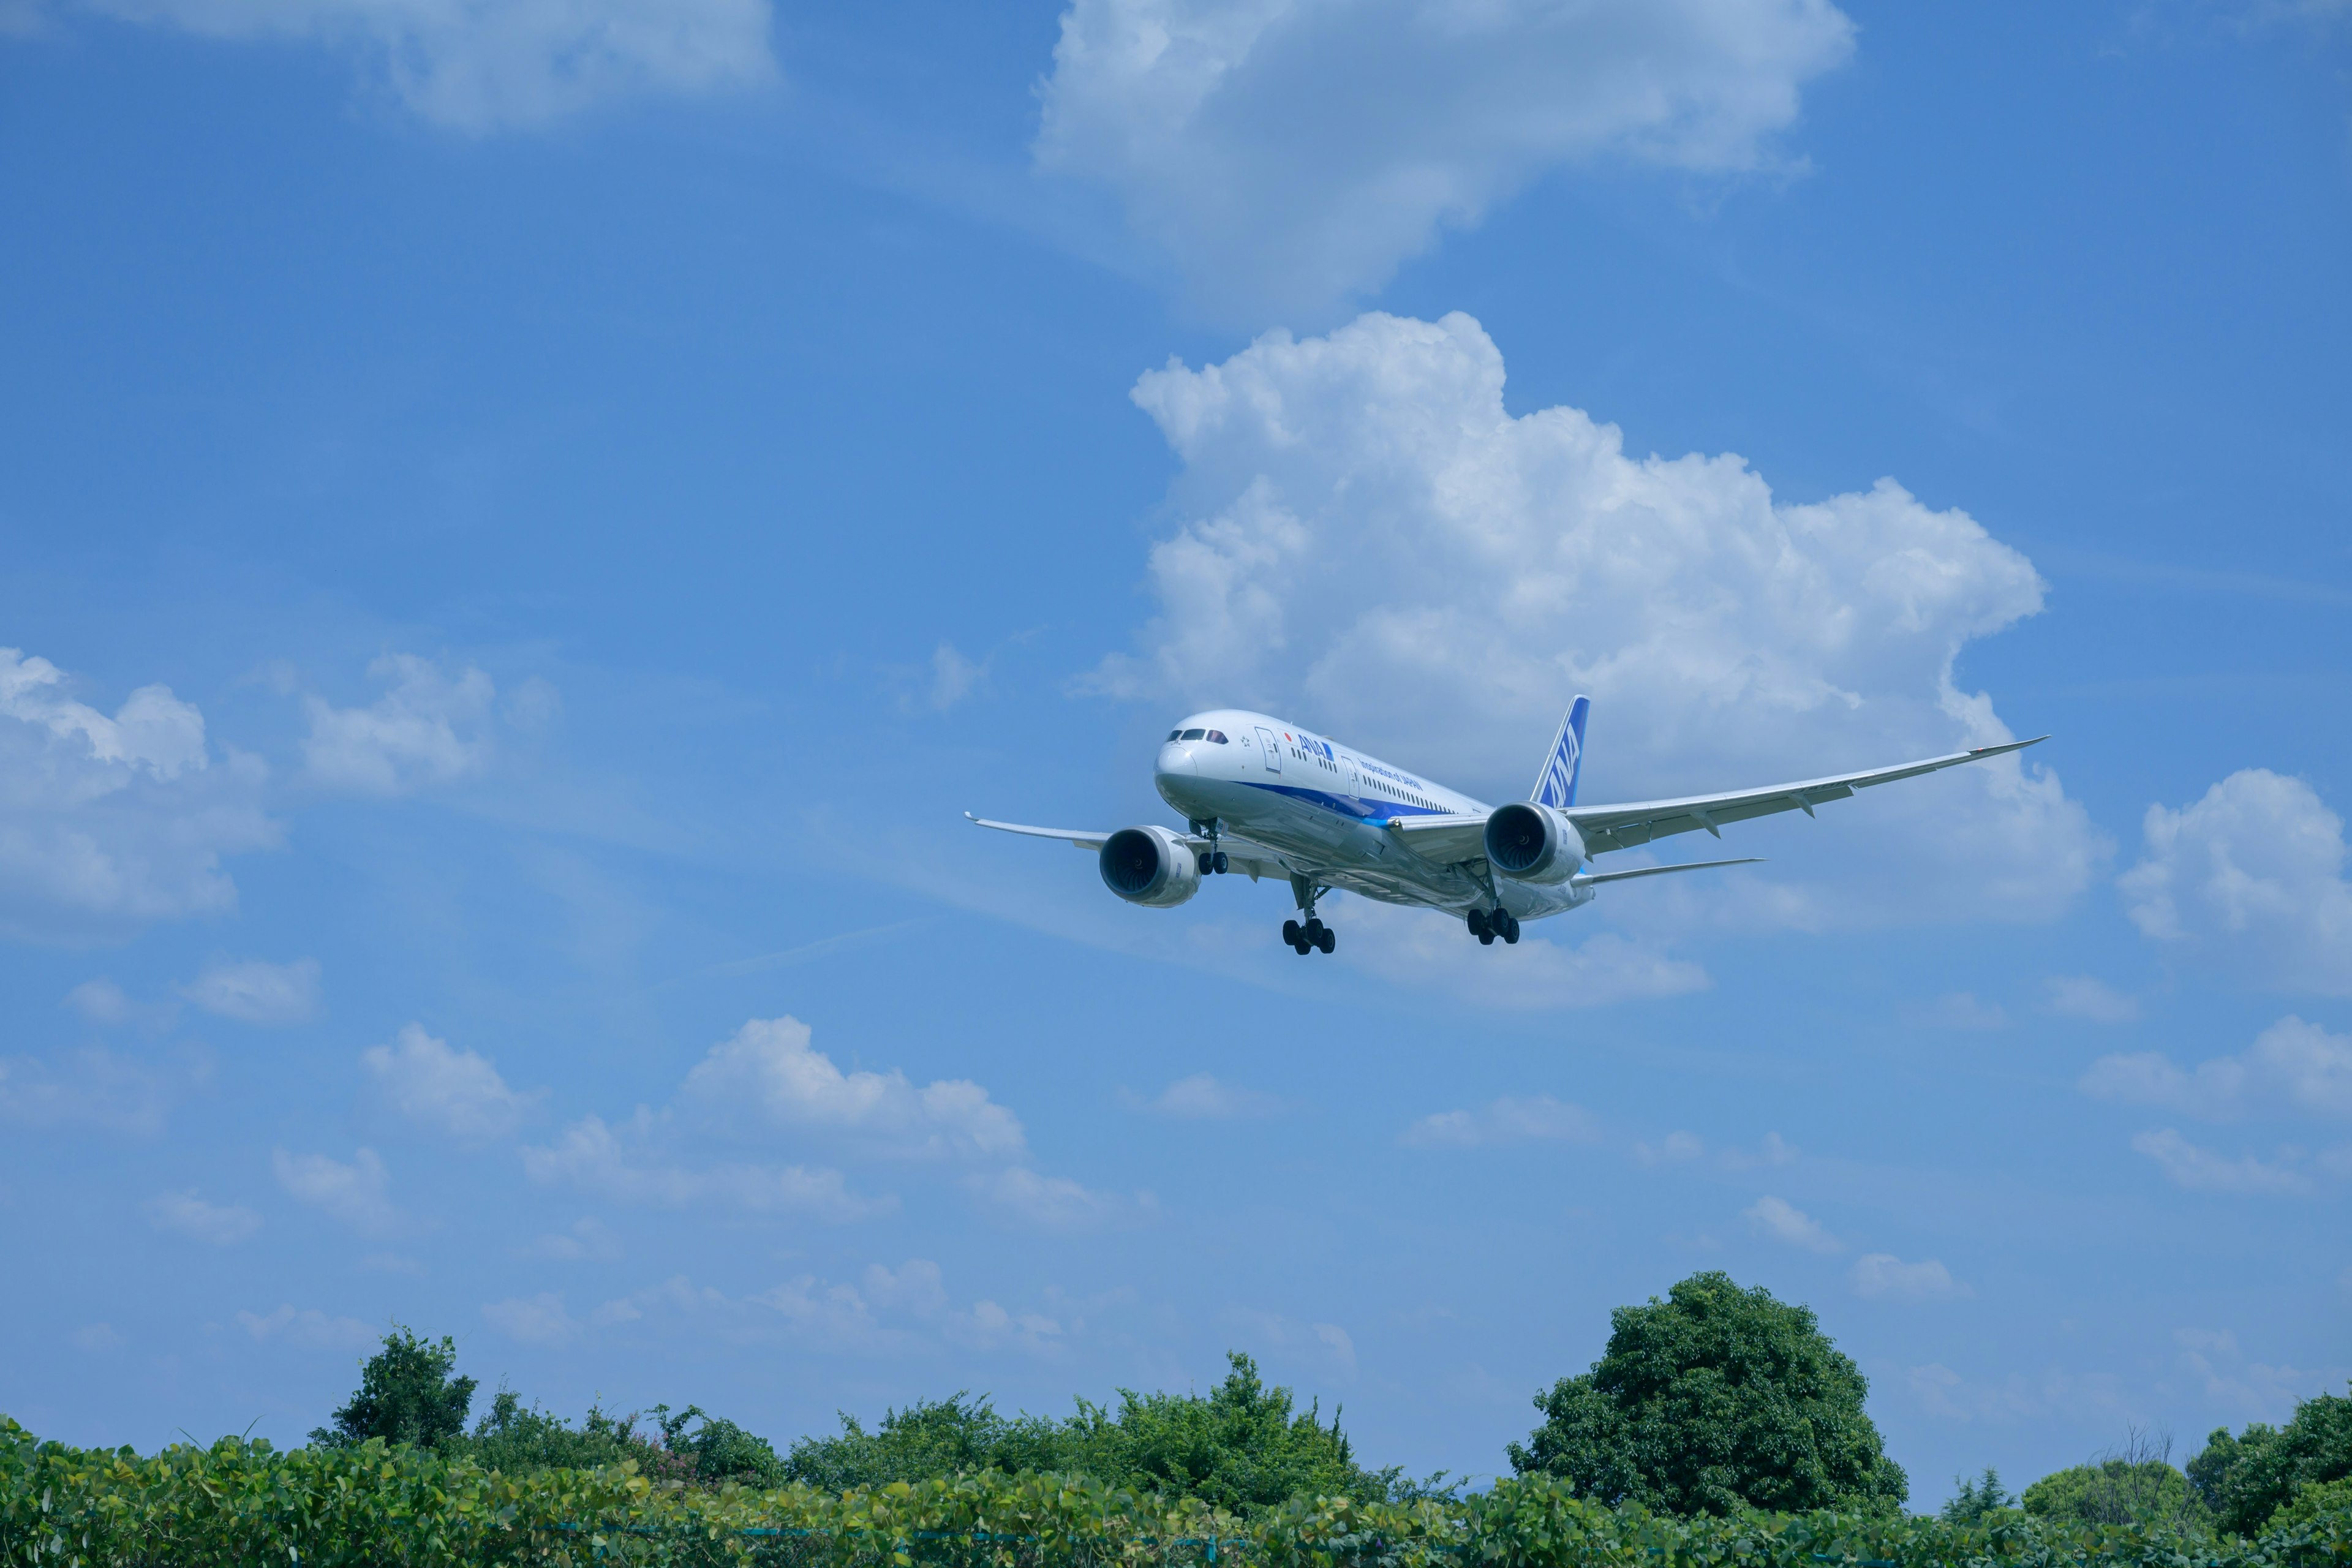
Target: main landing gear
pixel 1488 924
pixel 1310 935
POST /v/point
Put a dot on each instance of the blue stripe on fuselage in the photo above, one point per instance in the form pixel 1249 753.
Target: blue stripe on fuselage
pixel 1375 812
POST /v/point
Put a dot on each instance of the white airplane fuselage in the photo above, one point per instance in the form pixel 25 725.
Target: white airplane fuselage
pixel 1324 804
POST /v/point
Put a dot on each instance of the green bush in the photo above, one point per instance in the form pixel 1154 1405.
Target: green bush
pixel 2247 1478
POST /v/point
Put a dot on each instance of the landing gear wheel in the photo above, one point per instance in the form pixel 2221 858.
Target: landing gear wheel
pixel 1486 938
pixel 1291 935
pixel 1327 938
pixel 1476 920
pixel 1511 929
pixel 1208 862
pixel 1217 862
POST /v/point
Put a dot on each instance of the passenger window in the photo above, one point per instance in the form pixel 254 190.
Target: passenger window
pixel 1192 735
pixel 1218 736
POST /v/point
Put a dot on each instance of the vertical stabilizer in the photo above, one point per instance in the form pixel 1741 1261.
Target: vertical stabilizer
pixel 1555 786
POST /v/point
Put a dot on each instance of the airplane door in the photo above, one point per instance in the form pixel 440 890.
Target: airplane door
pixel 1265 743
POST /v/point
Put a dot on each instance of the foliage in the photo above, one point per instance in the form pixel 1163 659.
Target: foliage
pixel 1974 1499
pixel 718 1451
pixel 2113 1492
pixel 516 1440
pixel 1714 1400
pixel 384 1507
pixel 2315 1500
pixel 2247 1478
pixel 407 1394
pixel 1243 1447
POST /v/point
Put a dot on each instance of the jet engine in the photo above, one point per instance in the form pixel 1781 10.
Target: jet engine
pixel 1532 843
pixel 1150 866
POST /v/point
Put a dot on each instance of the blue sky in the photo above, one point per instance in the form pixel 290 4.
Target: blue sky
pixel 528 529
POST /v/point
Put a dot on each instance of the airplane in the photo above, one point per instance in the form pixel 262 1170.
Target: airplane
pixel 1262 795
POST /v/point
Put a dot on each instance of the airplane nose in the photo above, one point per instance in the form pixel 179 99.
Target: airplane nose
pixel 1177 758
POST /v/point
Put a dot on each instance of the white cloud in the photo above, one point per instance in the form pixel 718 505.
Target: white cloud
pixel 1882 1275
pixel 2092 1000
pixel 1047 1203
pixel 186 1214
pixel 538 1320
pixel 1368 541
pixel 1782 1221
pixel 2203 1171
pixel 953 677
pixel 430 727
pixel 768 1075
pixel 258 993
pixel 591 1157
pixel 2255 1390
pixel 1540 973
pixel 106 822
pixel 2292 1068
pixel 1965 1011
pixel 2250 878
pixel 308 1328
pixel 455 1093
pixel 1202 1097
pixel 91 1087
pixel 1536 1119
pixel 1676 1148
pixel 588 1240
pixel 1341 1345
pixel 478 65
pixel 357 1194
pixel 103 1002
pixel 1288 153
pixel 2016 1398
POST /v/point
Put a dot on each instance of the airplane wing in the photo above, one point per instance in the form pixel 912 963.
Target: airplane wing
pixel 1587 879
pixel 1607 828
pixel 1240 855
pixel 1451 840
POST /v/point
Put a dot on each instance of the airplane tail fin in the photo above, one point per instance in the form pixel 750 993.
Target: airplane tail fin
pixel 1555 786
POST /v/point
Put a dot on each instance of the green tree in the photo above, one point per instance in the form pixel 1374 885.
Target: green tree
pixel 718 1450
pixel 1712 1400
pixel 2247 1478
pixel 2133 1483
pixel 519 1440
pixel 1972 1501
pixel 956 1436
pixel 407 1394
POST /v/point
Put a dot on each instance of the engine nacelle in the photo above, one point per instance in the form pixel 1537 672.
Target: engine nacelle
pixel 1532 843
pixel 1150 866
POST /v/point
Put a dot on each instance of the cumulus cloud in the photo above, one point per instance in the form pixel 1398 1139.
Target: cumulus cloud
pixel 188 1214
pixel 1287 154
pixel 1783 1221
pixel 88 1087
pixel 258 993
pixel 2250 878
pixel 1535 1119
pixel 1047 1203
pixel 953 677
pixel 2092 1000
pixel 478 65
pixel 1368 541
pixel 2203 1171
pixel 112 821
pixel 429 728
pixel 591 1157
pixel 455 1093
pixel 768 1074
pixel 2292 1068
pixel 358 1194
pixel 308 1328
pixel 1882 1275
pixel 539 1320
pixel 1202 1097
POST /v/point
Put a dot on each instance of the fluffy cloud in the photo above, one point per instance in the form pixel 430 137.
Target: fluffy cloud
pixel 1783 1221
pixel 455 1093
pixel 1047 1203
pixel 1370 541
pixel 258 993
pixel 357 1194
pixel 1287 154
pixel 1537 1119
pixel 2203 1171
pixel 106 822
pixel 481 65
pixel 2251 878
pixel 91 1086
pixel 539 1320
pixel 768 1075
pixel 308 1328
pixel 1882 1275
pixel 430 727
pixel 591 1157
pixel 187 1215
pixel 1202 1098
pixel 2292 1068
pixel 2092 1000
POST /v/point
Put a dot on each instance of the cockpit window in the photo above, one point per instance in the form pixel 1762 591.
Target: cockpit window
pixel 1218 736
pixel 1175 734
pixel 1192 734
